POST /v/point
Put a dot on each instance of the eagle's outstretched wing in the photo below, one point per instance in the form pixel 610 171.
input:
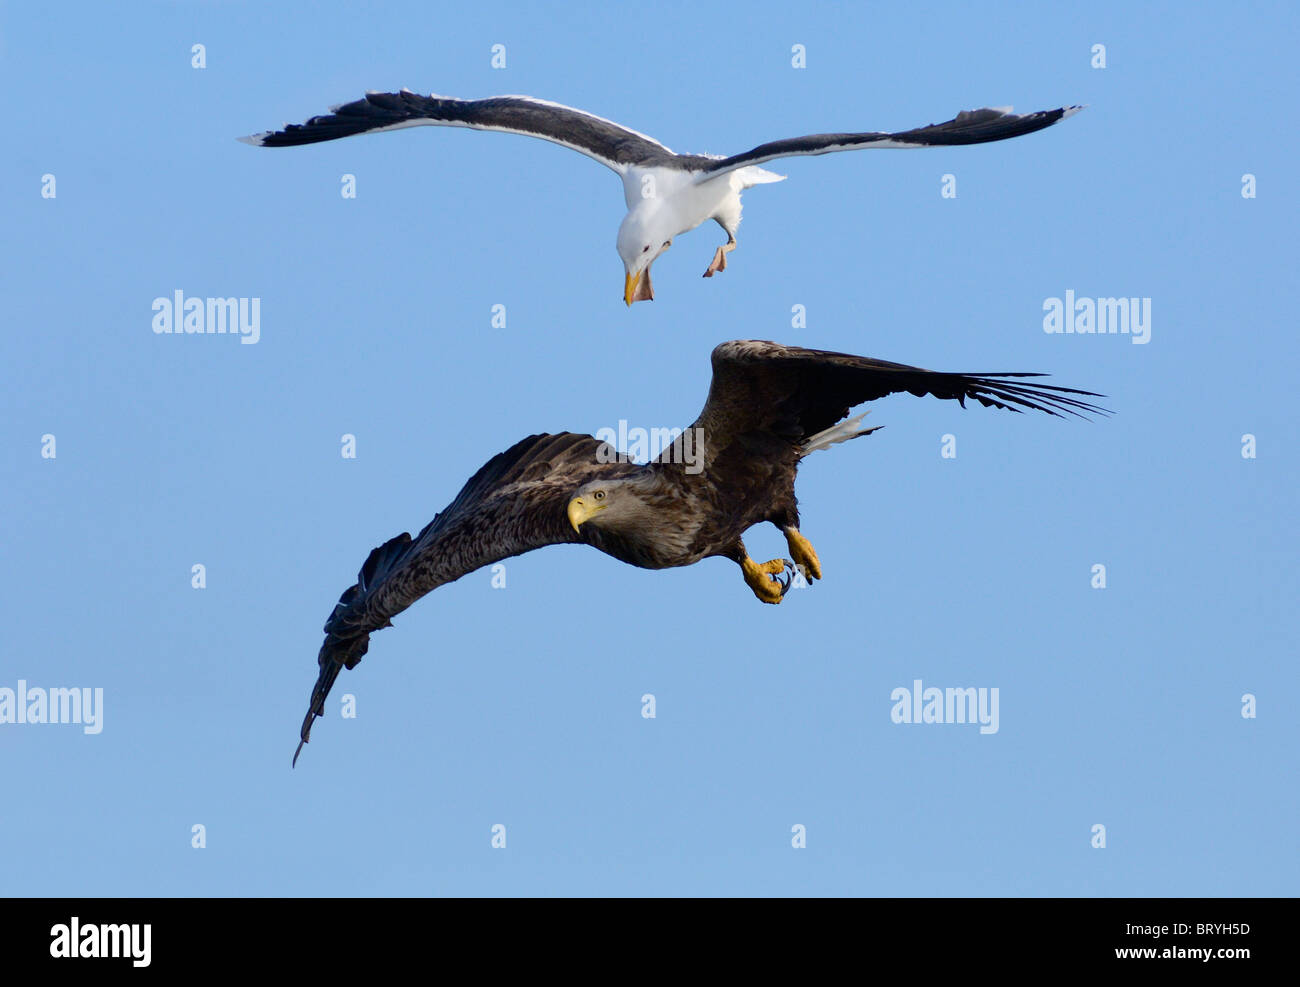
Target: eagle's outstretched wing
pixel 967 127
pixel 609 143
pixel 761 388
pixel 513 504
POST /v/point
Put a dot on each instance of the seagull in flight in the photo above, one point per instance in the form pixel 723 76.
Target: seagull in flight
pixel 666 193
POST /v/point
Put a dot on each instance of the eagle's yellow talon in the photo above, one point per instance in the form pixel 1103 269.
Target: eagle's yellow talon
pixel 805 557
pixel 757 579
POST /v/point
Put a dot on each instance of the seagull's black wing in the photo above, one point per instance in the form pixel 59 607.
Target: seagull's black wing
pixel 612 145
pixel 968 127
pixel 761 388
pixel 515 503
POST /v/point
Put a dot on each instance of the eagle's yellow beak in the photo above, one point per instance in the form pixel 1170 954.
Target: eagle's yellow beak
pixel 637 287
pixel 581 510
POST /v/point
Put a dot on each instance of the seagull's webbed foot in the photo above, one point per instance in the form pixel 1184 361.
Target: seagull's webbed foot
pixel 720 257
pixel 765 578
pixel 805 557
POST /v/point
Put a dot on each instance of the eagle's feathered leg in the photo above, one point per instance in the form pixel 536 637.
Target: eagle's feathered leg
pixel 759 578
pixel 804 555
pixel 720 256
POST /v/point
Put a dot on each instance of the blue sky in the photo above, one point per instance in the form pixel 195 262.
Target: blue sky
pixel 521 706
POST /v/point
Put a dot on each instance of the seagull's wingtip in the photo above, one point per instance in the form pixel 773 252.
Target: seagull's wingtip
pixel 257 140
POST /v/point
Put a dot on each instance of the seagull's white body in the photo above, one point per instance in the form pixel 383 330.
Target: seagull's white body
pixel 664 202
pixel 690 200
pixel 666 193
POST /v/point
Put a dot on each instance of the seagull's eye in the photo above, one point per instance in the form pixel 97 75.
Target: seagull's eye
pixel 645 248
pixel 599 495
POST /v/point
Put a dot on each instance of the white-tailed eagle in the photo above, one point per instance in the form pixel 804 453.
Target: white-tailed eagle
pixel 769 406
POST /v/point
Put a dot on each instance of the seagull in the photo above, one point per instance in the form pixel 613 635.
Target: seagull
pixel 666 193
pixel 769 406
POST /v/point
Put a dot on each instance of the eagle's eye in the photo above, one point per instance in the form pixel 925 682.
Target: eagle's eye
pixel 599 495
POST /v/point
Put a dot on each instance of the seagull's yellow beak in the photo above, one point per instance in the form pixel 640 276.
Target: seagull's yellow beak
pixel 581 509
pixel 637 287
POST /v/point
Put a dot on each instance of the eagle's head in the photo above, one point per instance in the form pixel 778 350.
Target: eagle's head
pixel 609 504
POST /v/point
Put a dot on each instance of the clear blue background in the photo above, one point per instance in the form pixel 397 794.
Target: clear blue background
pixel 521 706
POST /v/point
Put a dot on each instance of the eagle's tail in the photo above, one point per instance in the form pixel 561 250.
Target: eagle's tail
pixel 840 432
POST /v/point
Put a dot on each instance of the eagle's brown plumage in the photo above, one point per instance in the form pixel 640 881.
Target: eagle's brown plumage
pixel 766 403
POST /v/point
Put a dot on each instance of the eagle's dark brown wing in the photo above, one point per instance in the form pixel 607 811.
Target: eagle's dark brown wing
pixel 513 504
pixel 762 387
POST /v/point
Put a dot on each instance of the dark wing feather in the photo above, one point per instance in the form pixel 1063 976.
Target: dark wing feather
pixel 607 142
pixel 762 387
pixel 513 504
pixel 968 127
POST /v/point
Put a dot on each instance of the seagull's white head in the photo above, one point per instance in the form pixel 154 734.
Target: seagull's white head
pixel 647 231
